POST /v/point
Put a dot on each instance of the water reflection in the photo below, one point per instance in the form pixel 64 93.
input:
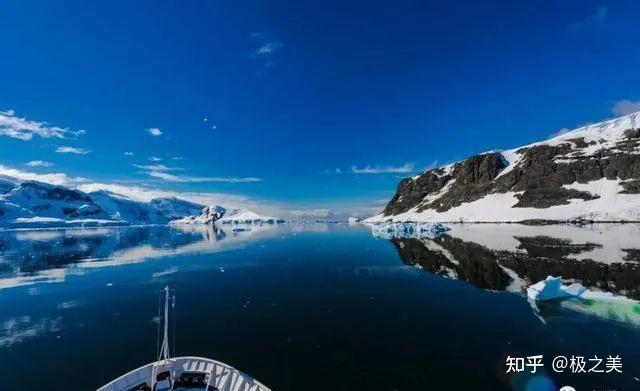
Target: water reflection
pixel 511 257
pixel 39 256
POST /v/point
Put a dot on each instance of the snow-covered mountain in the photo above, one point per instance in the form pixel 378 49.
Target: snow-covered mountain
pixel 121 208
pixel 40 203
pixel 591 173
pixel 175 208
pixel 208 215
pixel 243 216
pixel 219 215
pixel 37 204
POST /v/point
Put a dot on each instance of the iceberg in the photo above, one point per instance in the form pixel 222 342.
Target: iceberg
pixel 551 288
pixel 408 230
pixel 355 220
pixel 577 298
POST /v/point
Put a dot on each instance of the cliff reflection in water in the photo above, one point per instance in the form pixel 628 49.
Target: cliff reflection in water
pixel 511 256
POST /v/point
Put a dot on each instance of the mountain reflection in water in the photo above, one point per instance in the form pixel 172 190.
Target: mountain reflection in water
pixel 295 297
pixel 36 256
pixel 511 257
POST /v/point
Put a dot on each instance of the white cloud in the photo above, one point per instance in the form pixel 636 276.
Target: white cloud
pixel 155 159
pixel 140 193
pixel 188 179
pixel 72 150
pixel 128 153
pixel 154 132
pixel 144 194
pixel 258 35
pixel 267 49
pixel 405 168
pixel 52 178
pixel 24 129
pixel 156 167
pixel 625 107
pixel 39 163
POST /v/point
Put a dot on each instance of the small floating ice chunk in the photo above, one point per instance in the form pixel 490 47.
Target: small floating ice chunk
pixel 552 289
pixel 408 230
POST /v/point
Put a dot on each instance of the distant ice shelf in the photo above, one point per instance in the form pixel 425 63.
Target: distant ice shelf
pixel 408 230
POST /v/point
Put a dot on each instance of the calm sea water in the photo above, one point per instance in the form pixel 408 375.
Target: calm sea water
pixel 315 307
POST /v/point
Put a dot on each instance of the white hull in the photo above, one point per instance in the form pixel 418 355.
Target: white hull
pixel 215 375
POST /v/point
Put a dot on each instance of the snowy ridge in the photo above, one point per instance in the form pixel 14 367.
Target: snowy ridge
pixel 533 182
pixel 243 216
pixel 208 215
pixel 219 215
pixel 31 204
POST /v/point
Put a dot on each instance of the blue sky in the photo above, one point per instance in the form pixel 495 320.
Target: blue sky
pixel 299 105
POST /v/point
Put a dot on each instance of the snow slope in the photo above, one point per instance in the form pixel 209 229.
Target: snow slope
pixel 208 215
pixel 604 146
pixel 31 204
pixel 219 215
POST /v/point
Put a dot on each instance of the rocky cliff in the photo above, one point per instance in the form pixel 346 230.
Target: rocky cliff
pixel 591 173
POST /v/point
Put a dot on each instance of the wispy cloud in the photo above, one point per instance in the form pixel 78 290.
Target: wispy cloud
pixel 144 194
pixel 157 167
pixel 39 163
pixel 625 107
pixel 258 35
pixel 265 52
pixel 128 153
pixel 597 18
pixel 405 168
pixel 155 159
pixel 189 179
pixel 141 193
pixel 72 150
pixel 24 129
pixel 267 49
pixel 559 132
pixel 53 178
pixel 154 132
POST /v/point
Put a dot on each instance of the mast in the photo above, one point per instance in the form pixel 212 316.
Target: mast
pixel 164 351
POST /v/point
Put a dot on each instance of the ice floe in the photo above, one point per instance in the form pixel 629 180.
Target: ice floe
pixel 408 230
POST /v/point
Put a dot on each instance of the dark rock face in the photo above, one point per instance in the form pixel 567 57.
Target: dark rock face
pixel 472 180
pixel 539 176
pixel 476 264
pixel 543 256
pixel 631 187
pixel 411 192
pixel 57 193
pixel 547 196
pixel 479 169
